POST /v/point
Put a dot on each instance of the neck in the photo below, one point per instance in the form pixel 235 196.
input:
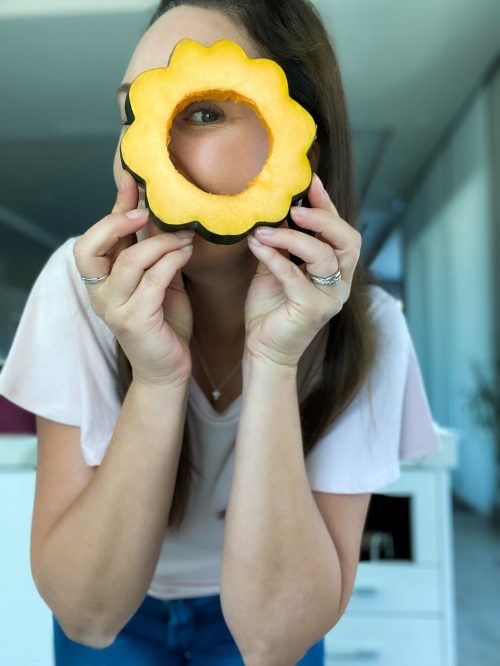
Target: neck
pixel 218 301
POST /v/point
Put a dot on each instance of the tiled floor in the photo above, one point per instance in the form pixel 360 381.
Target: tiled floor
pixel 477 573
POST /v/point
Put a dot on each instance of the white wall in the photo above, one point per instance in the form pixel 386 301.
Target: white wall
pixel 449 296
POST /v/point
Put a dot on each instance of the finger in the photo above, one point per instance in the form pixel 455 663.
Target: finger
pixel 133 263
pixel 96 262
pixel 345 240
pixel 298 289
pixel 323 219
pixel 330 228
pixel 150 292
pixel 319 257
pixel 127 197
pixel 318 196
pixel 94 249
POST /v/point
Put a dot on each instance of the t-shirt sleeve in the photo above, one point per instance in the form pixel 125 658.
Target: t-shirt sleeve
pixel 40 371
pixel 61 362
pixel 389 419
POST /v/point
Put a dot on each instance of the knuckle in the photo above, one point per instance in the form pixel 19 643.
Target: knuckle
pixel 127 258
pixel 78 249
pixel 356 252
pixel 97 306
pixel 325 313
pixel 121 322
pixel 292 272
pixel 152 278
pixel 327 255
pixel 358 239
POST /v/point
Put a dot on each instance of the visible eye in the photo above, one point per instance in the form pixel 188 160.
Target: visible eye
pixel 206 114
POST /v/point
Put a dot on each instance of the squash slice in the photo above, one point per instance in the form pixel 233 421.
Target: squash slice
pixel 222 71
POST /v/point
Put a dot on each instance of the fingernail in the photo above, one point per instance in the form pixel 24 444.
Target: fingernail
pixel 265 231
pixel 137 212
pixel 185 233
pixel 299 211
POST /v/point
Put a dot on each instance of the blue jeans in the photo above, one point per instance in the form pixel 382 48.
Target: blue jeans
pixel 168 633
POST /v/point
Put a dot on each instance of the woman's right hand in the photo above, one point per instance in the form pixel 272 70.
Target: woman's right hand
pixel 143 301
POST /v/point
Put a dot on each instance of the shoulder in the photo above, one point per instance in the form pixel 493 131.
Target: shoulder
pixel 393 340
pixel 386 313
pixel 381 301
pixel 62 260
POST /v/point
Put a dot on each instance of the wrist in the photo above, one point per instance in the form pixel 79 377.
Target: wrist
pixel 261 369
pixel 157 385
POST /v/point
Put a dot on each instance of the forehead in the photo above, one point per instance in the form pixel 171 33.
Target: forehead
pixel 203 25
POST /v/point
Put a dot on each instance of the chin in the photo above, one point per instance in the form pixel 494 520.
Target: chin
pixel 208 256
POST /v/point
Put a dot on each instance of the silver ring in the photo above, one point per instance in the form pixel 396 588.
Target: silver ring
pixel 331 279
pixel 94 280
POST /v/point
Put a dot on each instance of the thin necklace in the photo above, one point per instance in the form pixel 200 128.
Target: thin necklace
pixel 216 390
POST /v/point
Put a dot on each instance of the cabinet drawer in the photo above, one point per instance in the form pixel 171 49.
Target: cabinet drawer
pixel 384 642
pixel 395 587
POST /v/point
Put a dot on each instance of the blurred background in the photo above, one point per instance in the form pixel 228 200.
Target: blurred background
pixel 422 81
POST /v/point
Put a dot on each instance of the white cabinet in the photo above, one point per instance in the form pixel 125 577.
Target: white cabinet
pixel 402 607
pixel 25 620
pixel 385 641
pixel 401 612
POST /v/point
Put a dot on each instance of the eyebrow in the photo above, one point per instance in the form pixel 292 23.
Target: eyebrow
pixel 123 87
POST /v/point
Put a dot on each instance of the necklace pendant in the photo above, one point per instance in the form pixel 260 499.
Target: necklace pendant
pixel 216 394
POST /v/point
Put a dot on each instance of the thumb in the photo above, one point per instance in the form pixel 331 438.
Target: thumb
pixel 262 269
pixel 127 196
pixel 127 199
pixel 177 282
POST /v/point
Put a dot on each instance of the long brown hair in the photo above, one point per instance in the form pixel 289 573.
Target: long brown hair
pixel 292 34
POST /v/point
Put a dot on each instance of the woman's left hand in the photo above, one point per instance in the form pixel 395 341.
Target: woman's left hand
pixel 284 309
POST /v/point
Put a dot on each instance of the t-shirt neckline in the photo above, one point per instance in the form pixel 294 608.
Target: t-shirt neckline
pixel 201 403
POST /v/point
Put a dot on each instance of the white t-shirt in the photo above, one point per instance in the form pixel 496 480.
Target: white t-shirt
pixel 61 365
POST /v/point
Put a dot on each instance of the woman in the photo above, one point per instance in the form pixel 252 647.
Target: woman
pixel 209 507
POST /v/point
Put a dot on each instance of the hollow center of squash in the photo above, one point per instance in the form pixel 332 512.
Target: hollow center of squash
pixel 217 142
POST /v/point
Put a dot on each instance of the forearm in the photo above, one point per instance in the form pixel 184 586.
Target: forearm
pixel 280 577
pixel 97 562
